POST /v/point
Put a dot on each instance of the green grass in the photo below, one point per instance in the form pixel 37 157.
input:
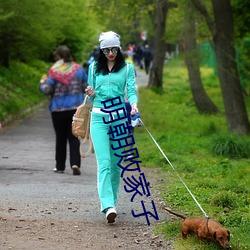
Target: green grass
pixel 214 164
pixel 19 88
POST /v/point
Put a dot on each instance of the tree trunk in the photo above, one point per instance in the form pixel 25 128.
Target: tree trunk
pixel 159 46
pixel 201 99
pixel 223 38
pixel 235 109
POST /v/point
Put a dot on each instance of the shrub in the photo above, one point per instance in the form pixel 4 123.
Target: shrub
pixel 231 146
pixel 223 200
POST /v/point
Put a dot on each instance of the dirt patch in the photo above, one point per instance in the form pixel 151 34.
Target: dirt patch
pixel 67 224
pixel 50 234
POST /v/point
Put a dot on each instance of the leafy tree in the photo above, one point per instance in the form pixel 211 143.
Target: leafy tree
pixel 22 35
pixel 156 72
pixel 241 18
pixel 221 28
pixel 78 28
pixel 126 17
pixel 201 99
pixel 175 24
pixel 242 34
pixel 28 33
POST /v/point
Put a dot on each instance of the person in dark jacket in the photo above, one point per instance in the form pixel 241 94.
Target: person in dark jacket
pixel 147 54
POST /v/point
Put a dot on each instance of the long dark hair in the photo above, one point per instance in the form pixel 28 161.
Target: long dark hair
pixel 101 63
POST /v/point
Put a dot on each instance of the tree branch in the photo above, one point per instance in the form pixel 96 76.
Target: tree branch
pixel 202 9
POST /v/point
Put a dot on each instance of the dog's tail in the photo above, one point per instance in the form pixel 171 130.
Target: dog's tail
pixel 174 213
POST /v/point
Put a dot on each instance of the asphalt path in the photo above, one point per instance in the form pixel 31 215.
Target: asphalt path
pixel 29 188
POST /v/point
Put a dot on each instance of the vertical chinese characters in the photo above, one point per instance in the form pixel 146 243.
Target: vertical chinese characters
pixel 121 137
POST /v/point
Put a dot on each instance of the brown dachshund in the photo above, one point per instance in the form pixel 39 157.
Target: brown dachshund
pixel 204 229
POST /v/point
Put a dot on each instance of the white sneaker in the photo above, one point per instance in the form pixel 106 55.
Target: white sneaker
pixel 111 214
pixel 58 171
pixel 130 156
pixel 76 170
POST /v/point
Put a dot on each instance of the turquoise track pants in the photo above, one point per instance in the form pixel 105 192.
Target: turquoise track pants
pixel 108 172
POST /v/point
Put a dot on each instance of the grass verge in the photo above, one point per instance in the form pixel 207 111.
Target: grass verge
pixel 19 89
pixel 214 164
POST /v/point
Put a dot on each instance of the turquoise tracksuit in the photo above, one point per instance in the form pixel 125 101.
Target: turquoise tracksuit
pixel 108 87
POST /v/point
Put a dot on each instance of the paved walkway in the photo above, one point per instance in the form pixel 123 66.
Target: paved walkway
pixel 141 78
pixel 27 158
pixel 30 189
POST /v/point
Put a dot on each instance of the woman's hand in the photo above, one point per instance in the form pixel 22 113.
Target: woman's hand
pixel 134 109
pixel 90 91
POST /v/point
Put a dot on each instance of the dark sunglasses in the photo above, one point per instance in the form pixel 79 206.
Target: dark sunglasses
pixel 106 51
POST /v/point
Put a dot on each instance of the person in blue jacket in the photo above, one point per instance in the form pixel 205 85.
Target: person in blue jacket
pixel 65 83
pixel 108 77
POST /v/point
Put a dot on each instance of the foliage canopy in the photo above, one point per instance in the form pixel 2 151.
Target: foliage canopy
pixel 28 33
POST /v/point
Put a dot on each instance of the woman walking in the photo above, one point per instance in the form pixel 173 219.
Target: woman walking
pixel 108 77
pixel 65 84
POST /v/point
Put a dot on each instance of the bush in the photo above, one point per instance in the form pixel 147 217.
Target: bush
pixel 231 146
pixel 19 88
pixel 223 200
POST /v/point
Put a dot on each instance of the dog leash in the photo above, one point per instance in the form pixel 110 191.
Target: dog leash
pixel 174 170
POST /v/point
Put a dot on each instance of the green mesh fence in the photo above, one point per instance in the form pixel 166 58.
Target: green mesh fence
pixel 208 58
pixel 207 55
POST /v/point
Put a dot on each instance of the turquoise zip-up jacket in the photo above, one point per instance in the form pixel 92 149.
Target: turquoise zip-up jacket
pixel 113 85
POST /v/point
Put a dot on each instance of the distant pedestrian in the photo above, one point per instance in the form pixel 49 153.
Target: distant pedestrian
pixel 108 76
pixel 138 55
pixel 65 84
pixel 147 55
pixel 93 56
